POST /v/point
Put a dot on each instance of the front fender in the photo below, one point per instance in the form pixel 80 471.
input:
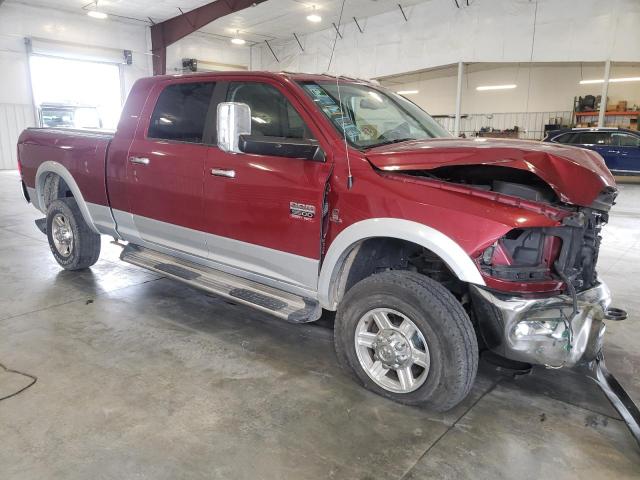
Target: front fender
pixel 437 242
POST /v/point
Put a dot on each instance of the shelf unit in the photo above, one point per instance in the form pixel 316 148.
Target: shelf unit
pixel 612 118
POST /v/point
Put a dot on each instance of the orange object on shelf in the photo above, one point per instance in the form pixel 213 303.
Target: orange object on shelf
pixel 628 113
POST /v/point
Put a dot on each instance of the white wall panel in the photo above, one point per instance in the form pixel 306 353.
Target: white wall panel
pixel 438 33
pixel 13 119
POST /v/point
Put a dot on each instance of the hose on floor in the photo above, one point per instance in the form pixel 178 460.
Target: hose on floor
pixel 33 378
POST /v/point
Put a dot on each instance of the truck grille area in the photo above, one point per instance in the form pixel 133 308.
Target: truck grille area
pixel 568 253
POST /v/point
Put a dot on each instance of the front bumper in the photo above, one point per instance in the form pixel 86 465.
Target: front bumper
pixel 543 331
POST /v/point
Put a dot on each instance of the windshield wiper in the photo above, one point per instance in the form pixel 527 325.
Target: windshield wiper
pixel 389 142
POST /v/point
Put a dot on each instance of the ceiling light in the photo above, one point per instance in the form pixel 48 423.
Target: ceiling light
pixel 314 17
pixel 407 92
pixel 611 80
pixel 495 87
pixel 238 41
pixel 97 14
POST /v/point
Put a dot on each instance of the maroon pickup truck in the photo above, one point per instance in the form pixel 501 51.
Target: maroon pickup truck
pixel 295 193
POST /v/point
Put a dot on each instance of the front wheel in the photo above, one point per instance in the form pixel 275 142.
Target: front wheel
pixel 73 244
pixel 408 338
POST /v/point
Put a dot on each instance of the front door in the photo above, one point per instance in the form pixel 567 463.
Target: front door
pixel 265 213
pixel 165 166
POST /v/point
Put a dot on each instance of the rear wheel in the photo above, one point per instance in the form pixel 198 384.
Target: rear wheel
pixel 408 338
pixel 73 244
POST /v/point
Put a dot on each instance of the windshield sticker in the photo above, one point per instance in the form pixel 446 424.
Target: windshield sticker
pixel 332 110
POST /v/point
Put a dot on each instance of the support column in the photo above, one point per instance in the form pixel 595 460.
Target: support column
pixel 456 125
pixel 605 92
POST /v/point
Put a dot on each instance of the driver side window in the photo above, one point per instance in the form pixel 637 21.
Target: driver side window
pixel 272 115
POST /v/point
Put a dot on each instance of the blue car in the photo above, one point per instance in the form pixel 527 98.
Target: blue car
pixel 620 148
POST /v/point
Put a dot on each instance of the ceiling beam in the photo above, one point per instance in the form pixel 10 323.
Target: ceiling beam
pixel 170 31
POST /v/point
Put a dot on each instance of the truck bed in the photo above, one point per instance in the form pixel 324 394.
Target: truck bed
pixel 82 152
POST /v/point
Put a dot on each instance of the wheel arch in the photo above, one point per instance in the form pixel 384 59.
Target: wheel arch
pixel 345 246
pixel 49 167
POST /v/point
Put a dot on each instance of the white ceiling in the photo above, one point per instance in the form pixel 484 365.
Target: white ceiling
pixel 269 20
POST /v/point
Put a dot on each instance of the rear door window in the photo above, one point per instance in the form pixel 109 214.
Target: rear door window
pixel 181 112
pixel 594 138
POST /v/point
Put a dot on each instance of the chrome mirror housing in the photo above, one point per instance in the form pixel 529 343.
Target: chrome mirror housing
pixel 233 120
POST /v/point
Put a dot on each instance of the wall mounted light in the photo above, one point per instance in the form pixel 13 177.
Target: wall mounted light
pixel 611 80
pixel 407 92
pixel 484 88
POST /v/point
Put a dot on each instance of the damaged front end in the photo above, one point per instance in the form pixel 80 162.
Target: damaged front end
pixel 543 302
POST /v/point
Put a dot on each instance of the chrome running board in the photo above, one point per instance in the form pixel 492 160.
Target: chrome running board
pixel 287 306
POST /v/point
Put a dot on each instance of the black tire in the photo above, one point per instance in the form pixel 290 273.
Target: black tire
pixel 440 318
pixel 85 248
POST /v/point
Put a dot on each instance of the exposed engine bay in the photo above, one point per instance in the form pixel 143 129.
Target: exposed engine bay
pixel 566 254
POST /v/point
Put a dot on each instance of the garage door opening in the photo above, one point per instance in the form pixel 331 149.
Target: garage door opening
pixel 76 93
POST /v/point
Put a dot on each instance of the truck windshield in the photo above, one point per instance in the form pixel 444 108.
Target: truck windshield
pixel 370 117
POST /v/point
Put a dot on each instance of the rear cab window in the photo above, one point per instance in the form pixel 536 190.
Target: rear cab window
pixel 181 112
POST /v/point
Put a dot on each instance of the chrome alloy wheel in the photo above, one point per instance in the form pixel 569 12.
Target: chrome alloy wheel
pixel 392 350
pixel 62 235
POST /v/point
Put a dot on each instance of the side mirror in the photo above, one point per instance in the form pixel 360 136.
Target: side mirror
pixel 233 120
pixel 282 147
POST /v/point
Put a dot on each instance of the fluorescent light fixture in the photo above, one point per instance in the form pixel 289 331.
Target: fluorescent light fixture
pixel 611 80
pixel 97 14
pixel 484 88
pixel 314 18
pixel 407 92
pixel 238 41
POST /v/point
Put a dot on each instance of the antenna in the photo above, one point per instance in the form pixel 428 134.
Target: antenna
pixel 344 136
pixel 344 132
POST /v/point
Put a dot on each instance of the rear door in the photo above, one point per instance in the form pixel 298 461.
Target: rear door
pixel 265 212
pixel 626 149
pixel 165 166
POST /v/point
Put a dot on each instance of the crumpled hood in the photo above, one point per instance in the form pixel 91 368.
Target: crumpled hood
pixel 577 175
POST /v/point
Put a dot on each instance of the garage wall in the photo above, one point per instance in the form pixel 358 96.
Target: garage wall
pixel 438 33
pixel 553 87
pixel 18 21
pixel 212 53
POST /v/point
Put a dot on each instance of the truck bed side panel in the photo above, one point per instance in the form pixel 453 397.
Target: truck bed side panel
pixel 81 153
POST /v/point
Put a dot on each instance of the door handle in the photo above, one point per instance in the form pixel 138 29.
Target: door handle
pixel 220 172
pixel 139 160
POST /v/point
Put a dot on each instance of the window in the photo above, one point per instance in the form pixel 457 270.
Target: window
pixel 181 112
pixel 566 138
pixel 369 117
pixel 593 138
pixel 272 115
pixel 624 140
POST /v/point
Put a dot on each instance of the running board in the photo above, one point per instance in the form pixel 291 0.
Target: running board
pixel 287 306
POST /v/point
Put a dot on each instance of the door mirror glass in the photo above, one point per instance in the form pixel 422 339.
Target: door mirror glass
pixel 233 120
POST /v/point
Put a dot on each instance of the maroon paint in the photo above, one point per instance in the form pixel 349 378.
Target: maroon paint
pixel 577 175
pixel 176 187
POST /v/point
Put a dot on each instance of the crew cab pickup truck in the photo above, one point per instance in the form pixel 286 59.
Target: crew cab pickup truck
pixel 296 193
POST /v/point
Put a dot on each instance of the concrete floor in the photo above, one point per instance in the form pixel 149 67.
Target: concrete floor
pixel 143 377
